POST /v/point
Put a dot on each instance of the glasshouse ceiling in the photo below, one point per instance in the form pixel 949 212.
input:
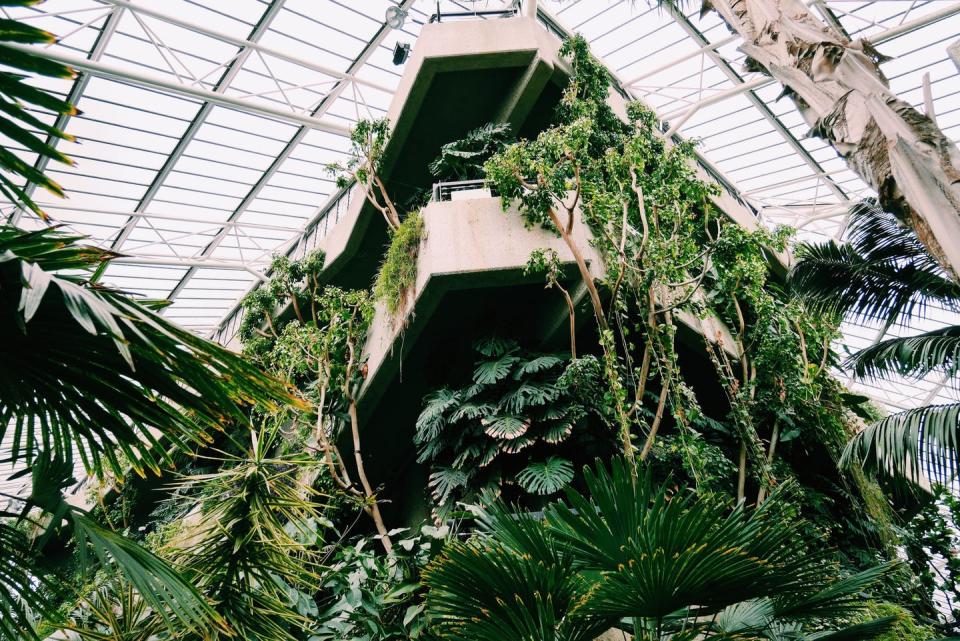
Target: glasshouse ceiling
pixel 206 125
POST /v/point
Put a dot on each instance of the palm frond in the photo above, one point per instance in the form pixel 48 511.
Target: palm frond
pixel 512 583
pixel 660 554
pixel 882 273
pixel 242 553
pixel 92 370
pixel 16 97
pixel 914 356
pixel 25 594
pixel 911 444
pixel 174 600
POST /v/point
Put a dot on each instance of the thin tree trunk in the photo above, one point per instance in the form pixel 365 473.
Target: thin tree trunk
pixel 840 90
pixel 742 475
pixel 374 508
pixel 762 494
pixel 584 271
pixel 573 321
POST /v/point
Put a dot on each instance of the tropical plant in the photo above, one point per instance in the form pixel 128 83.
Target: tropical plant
pixel 241 545
pixel 463 159
pixel 94 374
pixel 319 353
pixel 515 424
pixel 398 272
pixel 377 597
pixel 627 555
pixel 883 274
pixel 18 98
pixel 115 611
pixel 368 140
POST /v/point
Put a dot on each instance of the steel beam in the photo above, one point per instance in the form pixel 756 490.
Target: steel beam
pixel 160 83
pixel 321 109
pixel 222 85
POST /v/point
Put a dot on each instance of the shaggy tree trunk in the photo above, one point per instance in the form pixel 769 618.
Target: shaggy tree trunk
pixel 840 90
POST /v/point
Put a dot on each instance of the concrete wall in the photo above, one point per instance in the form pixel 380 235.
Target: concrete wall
pixel 466 244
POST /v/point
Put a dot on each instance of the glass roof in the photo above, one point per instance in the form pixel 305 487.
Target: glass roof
pixel 206 126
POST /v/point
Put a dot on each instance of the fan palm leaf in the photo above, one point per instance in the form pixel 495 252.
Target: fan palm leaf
pixel 88 369
pixel 627 551
pixel 514 582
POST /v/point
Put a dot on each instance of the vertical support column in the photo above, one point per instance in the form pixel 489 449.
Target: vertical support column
pixel 530 8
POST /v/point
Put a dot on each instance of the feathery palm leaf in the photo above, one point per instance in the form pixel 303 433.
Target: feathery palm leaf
pixel 914 356
pixel 882 273
pixel 913 443
pixel 17 97
pixel 87 368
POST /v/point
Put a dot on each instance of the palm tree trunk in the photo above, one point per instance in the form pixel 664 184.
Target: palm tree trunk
pixel 838 87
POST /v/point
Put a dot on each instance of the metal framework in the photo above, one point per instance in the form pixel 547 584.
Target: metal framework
pixel 207 124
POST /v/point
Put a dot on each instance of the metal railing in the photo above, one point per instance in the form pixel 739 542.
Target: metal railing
pixel 445 191
pixel 439 16
pixel 316 230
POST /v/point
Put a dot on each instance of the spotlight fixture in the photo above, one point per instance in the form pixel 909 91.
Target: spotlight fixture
pixel 395 17
pixel 401 52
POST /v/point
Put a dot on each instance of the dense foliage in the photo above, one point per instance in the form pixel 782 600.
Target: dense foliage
pixel 517 424
pixel 722 518
pixel 674 567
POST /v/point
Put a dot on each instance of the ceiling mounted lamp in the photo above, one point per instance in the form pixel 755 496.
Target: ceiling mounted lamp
pixel 395 17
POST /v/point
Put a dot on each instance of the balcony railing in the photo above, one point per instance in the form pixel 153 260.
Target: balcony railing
pixel 461 190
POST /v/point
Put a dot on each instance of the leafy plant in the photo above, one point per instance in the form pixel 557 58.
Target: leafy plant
pixel 464 159
pixel 375 597
pixel 672 566
pixel 368 140
pixel 884 274
pixel 398 272
pixel 242 548
pixel 509 426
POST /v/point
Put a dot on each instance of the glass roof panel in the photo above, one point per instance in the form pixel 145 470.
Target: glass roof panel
pixel 207 126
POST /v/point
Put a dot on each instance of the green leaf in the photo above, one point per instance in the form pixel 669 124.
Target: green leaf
pixel 547 477
pixel 505 427
pixel 490 372
pixel 909 444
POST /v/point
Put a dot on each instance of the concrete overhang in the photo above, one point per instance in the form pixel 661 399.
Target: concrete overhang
pixel 472 244
pixel 460 76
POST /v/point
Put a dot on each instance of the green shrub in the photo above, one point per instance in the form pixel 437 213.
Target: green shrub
pixel 905 629
pixel 398 272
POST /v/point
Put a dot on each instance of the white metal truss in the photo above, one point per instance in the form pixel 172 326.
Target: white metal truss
pixel 225 169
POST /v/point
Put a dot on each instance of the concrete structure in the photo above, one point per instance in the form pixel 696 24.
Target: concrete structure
pixel 470 280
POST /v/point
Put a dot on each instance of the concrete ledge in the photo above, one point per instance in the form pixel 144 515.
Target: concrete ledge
pixel 466 244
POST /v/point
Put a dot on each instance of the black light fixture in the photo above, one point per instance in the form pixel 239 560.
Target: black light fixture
pixel 401 52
